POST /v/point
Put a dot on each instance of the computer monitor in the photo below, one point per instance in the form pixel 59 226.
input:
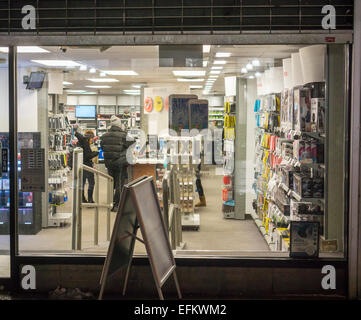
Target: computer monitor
pixel 85 112
pixel 36 80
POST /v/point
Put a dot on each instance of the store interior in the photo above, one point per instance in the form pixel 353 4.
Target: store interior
pixel 266 103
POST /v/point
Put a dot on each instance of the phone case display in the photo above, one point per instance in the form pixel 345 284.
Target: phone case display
pixel 198 114
pixel 58 155
pixel 29 203
pixel 179 111
pixel 289 163
pixel 228 205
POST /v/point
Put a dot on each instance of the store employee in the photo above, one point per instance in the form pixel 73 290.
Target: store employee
pixel 84 142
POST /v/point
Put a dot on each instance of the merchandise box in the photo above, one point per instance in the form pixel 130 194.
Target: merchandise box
pixel 303 185
pixel 302 109
pixel 304 239
pixel 318 115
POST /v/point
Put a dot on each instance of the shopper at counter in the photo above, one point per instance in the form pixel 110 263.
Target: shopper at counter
pixel 115 145
pixel 84 142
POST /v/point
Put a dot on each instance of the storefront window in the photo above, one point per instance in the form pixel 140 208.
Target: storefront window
pixel 253 138
pixel 4 174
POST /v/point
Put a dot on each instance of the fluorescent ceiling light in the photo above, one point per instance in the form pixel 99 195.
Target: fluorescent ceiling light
pixel 249 66
pixel 189 80
pixel 92 70
pixel 256 62
pixel 57 63
pixel 137 86
pixel 251 77
pixel 195 87
pixel 206 48
pixel 99 87
pixel 213 76
pixel 103 74
pixel 88 92
pixel 223 54
pixel 205 63
pixel 217 68
pixel 83 68
pixel 67 83
pixel 131 90
pixel 189 73
pixel 244 70
pixel 121 72
pixel 25 49
pixel 75 91
pixel 215 72
pixel 103 80
pixel 219 62
pixel 257 74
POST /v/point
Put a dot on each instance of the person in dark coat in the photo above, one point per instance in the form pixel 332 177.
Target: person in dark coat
pixel 115 145
pixel 84 141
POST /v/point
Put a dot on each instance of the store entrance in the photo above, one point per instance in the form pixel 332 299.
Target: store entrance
pixel 238 133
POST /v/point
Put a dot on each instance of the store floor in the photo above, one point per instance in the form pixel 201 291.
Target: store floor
pixel 215 232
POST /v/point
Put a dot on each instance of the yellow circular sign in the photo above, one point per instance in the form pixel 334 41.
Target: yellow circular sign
pixel 158 103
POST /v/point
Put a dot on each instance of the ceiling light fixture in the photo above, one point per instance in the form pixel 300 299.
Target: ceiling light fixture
pixel 67 83
pixel 195 87
pixel 244 70
pixel 249 66
pixel 219 62
pixel 223 54
pixel 92 70
pixel 251 77
pixel 103 80
pixel 103 74
pixel 189 80
pixel 120 72
pixel 75 91
pixel 206 48
pixel 205 63
pixel 257 74
pixel 57 63
pixel 217 68
pixel 215 72
pixel 99 87
pixel 256 62
pixel 25 49
pixel 189 73
pixel 83 68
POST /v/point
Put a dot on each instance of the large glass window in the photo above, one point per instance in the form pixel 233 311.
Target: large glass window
pixel 253 138
pixel 4 161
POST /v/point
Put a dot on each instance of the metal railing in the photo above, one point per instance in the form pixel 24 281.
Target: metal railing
pixel 78 206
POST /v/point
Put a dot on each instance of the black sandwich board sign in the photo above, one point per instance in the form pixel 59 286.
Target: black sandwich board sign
pixel 139 208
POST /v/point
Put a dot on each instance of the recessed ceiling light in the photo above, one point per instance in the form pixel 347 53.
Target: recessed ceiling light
pixel 257 74
pixel 88 92
pixel 205 63
pixel 223 54
pixel 189 80
pixel 249 66
pixel 256 62
pixel 103 80
pixel 57 63
pixel 132 92
pixel 189 73
pixel 25 49
pixel 92 70
pixel 206 48
pixel 67 83
pixel 213 76
pixel 215 72
pixel 195 87
pixel 251 77
pixel 217 68
pixel 244 70
pixel 219 62
pixel 75 91
pixel 137 86
pixel 83 68
pixel 103 74
pixel 121 72
pixel 99 87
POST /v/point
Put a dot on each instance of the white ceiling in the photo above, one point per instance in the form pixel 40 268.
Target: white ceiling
pixel 144 61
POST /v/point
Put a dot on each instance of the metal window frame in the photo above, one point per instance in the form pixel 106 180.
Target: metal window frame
pixel 18 260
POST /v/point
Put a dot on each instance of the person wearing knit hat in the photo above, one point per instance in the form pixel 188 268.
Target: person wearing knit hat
pixel 115 145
